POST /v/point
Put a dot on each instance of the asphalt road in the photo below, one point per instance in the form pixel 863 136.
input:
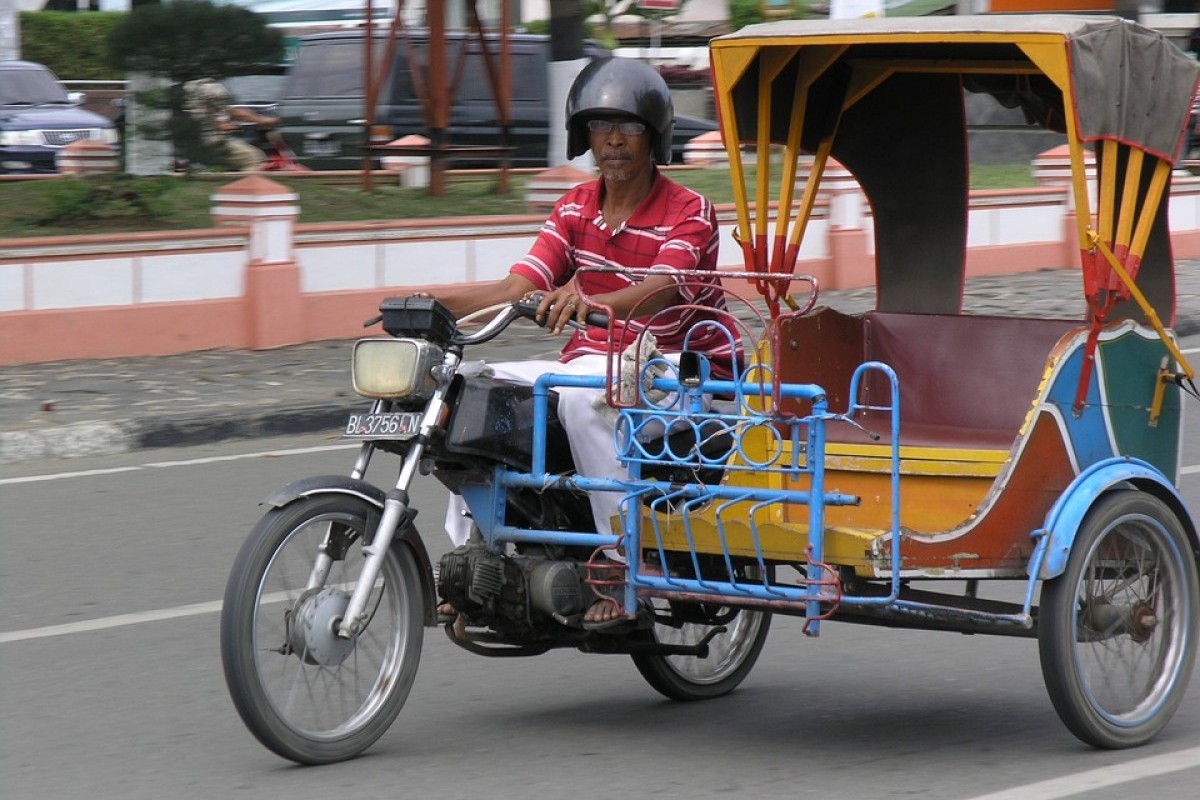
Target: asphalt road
pixel 111 686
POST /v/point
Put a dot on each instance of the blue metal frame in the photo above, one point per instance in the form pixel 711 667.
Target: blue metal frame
pixel 807 436
pixel 687 409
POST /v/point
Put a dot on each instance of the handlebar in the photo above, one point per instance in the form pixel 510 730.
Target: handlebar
pixel 505 314
pixel 527 307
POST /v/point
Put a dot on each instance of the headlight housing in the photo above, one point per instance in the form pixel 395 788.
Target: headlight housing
pixel 107 135
pixel 395 369
pixel 20 138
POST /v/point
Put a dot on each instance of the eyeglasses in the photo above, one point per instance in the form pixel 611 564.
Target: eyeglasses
pixel 627 128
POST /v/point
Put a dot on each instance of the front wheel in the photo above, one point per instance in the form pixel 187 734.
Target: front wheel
pixel 305 693
pixel 1117 630
pixel 731 655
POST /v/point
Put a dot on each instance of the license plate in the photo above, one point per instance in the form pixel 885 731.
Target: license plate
pixel 322 147
pixel 390 425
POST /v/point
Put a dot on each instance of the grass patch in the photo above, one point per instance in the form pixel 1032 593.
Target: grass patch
pixel 119 203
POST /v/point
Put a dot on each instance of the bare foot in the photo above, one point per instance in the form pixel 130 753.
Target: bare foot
pixel 603 610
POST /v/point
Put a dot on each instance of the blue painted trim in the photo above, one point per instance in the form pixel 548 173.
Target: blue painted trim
pixel 1065 517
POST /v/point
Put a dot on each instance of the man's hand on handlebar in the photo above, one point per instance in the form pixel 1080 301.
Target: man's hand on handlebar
pixel 561 308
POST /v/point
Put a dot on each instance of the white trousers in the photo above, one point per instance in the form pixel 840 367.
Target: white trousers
pixel 588 430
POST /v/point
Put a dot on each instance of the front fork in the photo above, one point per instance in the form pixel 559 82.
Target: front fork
pixel 325 557
pixel 395 508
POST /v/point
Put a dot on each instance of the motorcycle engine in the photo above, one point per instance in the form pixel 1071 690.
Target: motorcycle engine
pixel 488 587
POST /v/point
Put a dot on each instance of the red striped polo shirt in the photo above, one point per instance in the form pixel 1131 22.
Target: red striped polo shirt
pixel 674 228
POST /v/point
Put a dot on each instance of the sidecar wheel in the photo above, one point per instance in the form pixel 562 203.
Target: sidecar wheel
pixel 731 656
pixel 306 694
pixel 1117 630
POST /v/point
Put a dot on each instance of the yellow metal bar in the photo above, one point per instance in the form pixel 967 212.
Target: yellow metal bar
pixel 1022 39
pixel 1108 190
pixel 762 155
pixel 1158 185
pixel 1050 55
pixel 770 64
pixel 1129 204
pixel 729 64
pixel 1083 211
pixel 791 162
pixel 813 65
pixel 1094 238
pixel 809 198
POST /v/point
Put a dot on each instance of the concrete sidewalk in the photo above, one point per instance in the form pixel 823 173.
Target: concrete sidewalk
pixel 75 408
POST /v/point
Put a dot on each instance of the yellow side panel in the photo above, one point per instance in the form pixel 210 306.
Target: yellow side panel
pixel 929 503
pixel 776 542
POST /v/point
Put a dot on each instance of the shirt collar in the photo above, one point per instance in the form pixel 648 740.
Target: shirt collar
pixel 656 188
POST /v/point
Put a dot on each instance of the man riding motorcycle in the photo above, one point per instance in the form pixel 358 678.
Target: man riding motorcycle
pixel 632 216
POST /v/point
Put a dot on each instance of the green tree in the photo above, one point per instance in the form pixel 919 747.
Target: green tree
pixel 611 9
pixel 744 12
pixel 186 40
pixel 194 39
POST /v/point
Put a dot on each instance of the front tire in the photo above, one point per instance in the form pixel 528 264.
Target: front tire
pixel 1117 630
pixel 306 694
pixel 731 656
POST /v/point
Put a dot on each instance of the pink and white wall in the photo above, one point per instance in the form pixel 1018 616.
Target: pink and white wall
pixel 258 280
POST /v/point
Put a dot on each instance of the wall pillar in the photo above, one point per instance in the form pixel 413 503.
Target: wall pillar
pixel 851 262
pixel 274 307
pixel 1053 168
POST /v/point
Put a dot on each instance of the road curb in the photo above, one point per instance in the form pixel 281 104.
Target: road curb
pixel 111 438
pixel 124 436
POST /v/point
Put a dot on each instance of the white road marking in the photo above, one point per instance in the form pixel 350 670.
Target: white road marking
pixel 84 473
pixel 103 623
pixel 1077 783
pixel 88 473
pixel 121 620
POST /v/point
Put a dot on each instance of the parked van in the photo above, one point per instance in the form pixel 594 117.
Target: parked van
pixel 321 111
pixel 38 118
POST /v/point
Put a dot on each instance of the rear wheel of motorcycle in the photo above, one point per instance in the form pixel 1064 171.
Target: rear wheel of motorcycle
pixel 304 693
pixel 731 656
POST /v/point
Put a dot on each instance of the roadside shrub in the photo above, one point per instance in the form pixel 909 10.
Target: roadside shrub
pixel 107 197
pixel 75 46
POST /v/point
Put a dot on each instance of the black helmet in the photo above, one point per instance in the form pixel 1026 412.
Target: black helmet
pixel 620 86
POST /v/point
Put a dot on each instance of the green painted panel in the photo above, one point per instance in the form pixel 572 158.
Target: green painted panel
pixel 1131 365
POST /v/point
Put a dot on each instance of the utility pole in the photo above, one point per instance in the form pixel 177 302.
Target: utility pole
pixel 566 60
pixel 10 31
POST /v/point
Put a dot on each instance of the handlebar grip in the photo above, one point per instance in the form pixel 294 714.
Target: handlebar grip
pixel 527 307
pixel 597 319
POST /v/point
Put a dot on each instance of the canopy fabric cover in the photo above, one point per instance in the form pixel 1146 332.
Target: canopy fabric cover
pixel 887 94
pixel 1129 83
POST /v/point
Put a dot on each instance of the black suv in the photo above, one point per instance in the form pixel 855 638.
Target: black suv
pixel 37 119
pixel 321 111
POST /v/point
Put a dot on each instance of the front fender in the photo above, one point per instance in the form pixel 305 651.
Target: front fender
pixel 1066 516
pixel 325 484
pixel 344 484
